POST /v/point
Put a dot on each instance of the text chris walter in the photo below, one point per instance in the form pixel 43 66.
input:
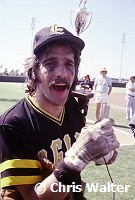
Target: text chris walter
pixel 89 187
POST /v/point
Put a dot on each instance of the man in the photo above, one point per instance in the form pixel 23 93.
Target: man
pixel 86 83
pixel 103 87
pixel 86 86
pixel 130 98
pixel 41 128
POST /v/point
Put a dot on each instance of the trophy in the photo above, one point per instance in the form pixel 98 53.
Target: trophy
pixel 81 18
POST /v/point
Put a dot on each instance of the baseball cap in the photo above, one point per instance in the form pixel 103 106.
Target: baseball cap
pixel 103 69
pixel 55 33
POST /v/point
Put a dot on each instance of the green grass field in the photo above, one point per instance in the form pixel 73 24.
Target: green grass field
pixel 10 93
pixel 122 170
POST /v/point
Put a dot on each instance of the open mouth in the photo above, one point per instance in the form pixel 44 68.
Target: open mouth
pixel 61 87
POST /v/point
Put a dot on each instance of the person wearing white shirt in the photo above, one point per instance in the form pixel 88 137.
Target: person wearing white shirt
pixel 130 98
pixel 103 87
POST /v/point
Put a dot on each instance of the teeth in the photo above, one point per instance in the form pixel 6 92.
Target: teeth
pixel 59 87
pixel 59 84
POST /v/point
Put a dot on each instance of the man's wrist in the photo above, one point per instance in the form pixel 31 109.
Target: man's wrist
pixel 71 165
pixel 65 174
pixel 73 161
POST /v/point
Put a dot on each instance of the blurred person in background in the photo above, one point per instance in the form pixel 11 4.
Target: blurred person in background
pixel 86 83
pixel 130 98
pixel 103 88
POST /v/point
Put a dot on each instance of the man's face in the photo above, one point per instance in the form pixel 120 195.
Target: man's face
pixel 103 73
pixel 56 74
pixel 132 80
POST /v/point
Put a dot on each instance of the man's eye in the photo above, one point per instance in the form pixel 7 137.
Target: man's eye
pixel 69 64
pixel 50 66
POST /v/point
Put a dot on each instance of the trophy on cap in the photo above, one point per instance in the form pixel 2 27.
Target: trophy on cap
pixel 81 19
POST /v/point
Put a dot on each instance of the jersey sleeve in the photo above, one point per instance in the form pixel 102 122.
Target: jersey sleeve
pixel 18 165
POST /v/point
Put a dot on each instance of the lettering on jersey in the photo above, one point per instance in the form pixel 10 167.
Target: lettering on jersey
pixel 56 147
pixel 58 155
pixel 67 141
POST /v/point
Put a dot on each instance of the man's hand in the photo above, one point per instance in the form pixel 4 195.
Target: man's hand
pixel 92 144
pixel 112 159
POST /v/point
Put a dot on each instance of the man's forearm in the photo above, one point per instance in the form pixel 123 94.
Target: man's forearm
pixel 47 189
pixel 51 189
pixel 110 89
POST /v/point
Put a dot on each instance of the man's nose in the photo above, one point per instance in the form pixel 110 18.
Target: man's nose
pixel 61 71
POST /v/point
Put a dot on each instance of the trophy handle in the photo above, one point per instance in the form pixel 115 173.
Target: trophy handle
pixel 71 19
pixel 88 23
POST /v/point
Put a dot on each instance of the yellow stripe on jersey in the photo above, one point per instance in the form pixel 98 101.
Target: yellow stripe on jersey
pixel 19 180
pixel 20 163
pixel 48 115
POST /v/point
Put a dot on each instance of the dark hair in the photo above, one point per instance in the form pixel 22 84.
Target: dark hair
pixel 32 64
pixel 132 77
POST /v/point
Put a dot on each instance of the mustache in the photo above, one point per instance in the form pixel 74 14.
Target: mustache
pixel 60 81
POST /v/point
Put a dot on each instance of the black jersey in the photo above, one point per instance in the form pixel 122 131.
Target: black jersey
pixel 25 130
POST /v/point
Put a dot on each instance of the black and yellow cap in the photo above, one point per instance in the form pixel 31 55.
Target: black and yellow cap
pixel 55 33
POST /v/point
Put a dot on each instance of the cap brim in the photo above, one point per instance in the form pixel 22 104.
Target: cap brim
pixel 72 40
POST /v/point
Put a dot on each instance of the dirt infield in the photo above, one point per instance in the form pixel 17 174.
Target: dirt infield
pixel 116 100
pixel 123 137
